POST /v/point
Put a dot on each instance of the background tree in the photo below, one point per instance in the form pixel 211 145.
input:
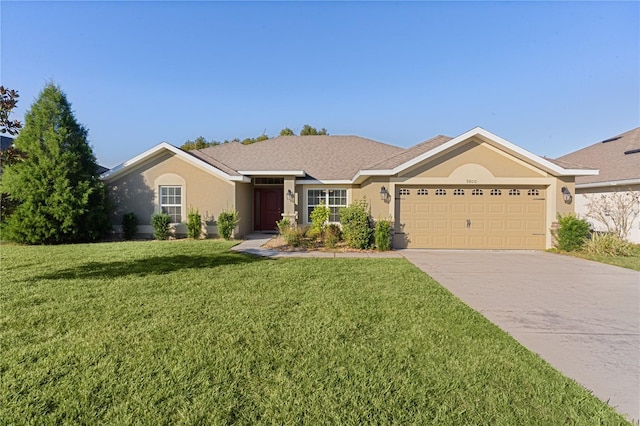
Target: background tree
pixel 59 194
pixel 616 211
pixel 199 143
pixel 8 101
pixel 11 155
pixel 307 130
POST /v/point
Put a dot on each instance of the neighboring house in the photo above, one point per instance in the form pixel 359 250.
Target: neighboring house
pixel 618 159
pixel 476 190
pixel 5 142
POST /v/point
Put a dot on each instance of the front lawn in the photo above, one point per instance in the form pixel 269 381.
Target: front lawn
pixel 186 332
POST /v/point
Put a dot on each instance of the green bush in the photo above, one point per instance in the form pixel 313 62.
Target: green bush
pixel 295 237
pixel 572 232
pixel 356 225
pixel 312 233
pixel 194 224
pixel 332 235
pixel 284 225
pixel 608 245
pixel 319 217
pixel 382 234
pixel 227 222
pixel 129 226
pixel 161 223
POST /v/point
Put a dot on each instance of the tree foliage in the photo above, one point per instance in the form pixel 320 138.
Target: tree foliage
pixel 59 196
pixel 8 101
pixel 201 143
pixel 307 130
pixel 572 232
pixel 11 155
pixel 616 211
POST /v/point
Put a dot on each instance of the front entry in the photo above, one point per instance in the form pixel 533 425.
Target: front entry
pixel 268 206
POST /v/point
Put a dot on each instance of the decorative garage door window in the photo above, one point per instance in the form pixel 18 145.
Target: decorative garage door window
pixel 171 202
pixel 458 192
pixel 514 192
pixel 477 192
pixel 423 191
pixel 496 192
pixel 404 191
pixel 332 198
pixel 441 191
pixel 533 192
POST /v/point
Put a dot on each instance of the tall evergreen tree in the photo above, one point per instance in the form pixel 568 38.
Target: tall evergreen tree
pixel 59 194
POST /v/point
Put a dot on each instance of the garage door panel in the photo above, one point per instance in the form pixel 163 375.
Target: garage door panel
pixel 464 218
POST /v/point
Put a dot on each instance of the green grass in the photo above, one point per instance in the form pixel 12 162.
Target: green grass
pixel 629 262
pixel 186 332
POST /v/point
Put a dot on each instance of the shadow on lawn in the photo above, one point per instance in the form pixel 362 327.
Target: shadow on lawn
pixel 157 265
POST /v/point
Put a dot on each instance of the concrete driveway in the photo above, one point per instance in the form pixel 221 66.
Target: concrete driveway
pixel 582 317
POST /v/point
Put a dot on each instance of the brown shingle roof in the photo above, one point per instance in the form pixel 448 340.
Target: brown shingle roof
pixel 410 153
pixel 321 157
pixel 609 157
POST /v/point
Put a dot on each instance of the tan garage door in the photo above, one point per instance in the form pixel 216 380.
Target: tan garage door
pixel 471 217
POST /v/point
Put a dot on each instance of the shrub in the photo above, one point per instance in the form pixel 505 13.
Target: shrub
pixel 194 224
pixel 129 226
pixel 284 225
pixel 319 217
pixel 294 237
pixel 227 222
pixel 332 235
pixel 356 225
pixel 607 244
pixel 572 232
pixel 382 234
pixel 312 233
pixel 161 223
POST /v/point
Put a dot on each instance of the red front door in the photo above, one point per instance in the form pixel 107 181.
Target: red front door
pixel 268 206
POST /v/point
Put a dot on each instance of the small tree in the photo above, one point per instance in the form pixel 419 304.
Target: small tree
pixel 60 197
pixel 227 222
pixel 617 211
pixel 382 234
pixel 286 132
pixel 572 232
pixel 319 217
pixel 356 225
pixel 161 223
pixel 194 224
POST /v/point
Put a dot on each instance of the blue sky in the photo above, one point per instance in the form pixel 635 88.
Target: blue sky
pixel 551 77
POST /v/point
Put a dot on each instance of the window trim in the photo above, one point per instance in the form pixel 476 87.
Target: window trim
pixel 326 201
pixel 162 205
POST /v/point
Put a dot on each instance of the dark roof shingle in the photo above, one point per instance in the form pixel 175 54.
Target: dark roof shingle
pixel 321 157
pixel 611 156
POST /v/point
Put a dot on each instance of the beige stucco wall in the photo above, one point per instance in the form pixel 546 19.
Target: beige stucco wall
pixel 370 191
pixel 499 163
pixel 244 205
pixel 137 192
pixel 582 198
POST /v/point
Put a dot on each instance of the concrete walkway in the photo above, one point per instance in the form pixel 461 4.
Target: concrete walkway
pixel 582 317
pixel 253 243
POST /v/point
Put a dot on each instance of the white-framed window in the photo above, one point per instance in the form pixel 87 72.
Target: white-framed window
pixel 332 198
pixel 171 202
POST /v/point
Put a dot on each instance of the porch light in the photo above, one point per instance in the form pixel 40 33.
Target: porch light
pixel 566 195
pixel 383 194
pixel 290 195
